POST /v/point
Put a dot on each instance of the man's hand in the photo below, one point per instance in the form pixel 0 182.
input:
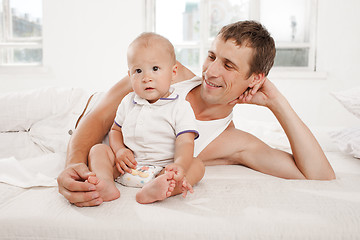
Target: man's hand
pixel 262 94
pixel 125 160
pixel 73 185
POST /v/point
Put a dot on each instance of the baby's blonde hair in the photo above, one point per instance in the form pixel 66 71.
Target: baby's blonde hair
pixel 148 38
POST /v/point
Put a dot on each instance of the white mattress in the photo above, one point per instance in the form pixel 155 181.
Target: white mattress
pixel 231 202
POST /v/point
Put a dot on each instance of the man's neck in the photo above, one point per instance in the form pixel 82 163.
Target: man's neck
pixel 204 111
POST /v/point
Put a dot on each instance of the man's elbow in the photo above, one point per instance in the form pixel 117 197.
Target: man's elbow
pixel 328 176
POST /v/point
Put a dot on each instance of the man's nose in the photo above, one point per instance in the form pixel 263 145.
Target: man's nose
pixel 212 69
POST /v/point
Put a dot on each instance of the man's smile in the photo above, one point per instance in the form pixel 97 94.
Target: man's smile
pixel 211 84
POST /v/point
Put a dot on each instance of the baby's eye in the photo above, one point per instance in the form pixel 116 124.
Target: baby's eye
pixel 155 68
pixel 138 70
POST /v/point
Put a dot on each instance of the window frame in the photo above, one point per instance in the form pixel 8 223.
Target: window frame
pixel 254 14
pixel 8 41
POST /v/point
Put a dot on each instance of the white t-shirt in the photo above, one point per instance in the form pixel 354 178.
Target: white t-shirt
pixel 208 130
pixel 150 130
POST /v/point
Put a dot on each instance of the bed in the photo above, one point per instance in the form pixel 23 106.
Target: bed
pixel 231 202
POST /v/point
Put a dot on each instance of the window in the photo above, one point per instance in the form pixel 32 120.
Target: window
pixel 191 25
pixel 20 32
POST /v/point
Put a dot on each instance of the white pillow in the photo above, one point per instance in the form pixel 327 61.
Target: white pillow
pixel 350 99
pixel 348 140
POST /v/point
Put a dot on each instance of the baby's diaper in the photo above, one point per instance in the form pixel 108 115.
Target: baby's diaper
pixel 139 176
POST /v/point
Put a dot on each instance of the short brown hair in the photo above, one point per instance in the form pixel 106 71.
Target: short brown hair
pixel 252 34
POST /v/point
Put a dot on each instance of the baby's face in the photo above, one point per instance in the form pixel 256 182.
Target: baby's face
pixel 151 71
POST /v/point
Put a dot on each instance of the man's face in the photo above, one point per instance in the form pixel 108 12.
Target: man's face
pixel 225 72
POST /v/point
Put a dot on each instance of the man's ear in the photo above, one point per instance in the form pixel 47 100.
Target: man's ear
pixel 129 73
pixel 256 78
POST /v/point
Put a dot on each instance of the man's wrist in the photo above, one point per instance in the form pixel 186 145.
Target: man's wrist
pixel 75 158
pixel 278 104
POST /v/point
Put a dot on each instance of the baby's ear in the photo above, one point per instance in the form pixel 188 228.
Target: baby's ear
pixel 174 71
pixel 257 78
pixel 129 73
pixel 175 68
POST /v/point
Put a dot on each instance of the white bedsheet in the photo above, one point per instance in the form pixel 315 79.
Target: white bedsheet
pixel 231 202
pixel 40 171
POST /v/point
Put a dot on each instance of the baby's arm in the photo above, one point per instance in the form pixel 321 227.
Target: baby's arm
pixel 184 150
pixel 183 157
pixel 124 157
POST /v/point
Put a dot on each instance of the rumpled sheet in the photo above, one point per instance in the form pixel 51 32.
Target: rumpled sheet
pixel 47 115
pixel 34 172
pixel 35 128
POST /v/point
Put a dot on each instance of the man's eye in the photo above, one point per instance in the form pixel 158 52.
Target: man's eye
pixel 211 57
pixel 155 68
pixel 228 66
pixel 138 71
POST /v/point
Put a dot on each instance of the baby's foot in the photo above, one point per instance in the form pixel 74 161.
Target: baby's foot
pixel 158 189
pixel 106 188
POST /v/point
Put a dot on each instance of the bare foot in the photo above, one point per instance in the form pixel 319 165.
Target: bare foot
pixel 107 189
pixel 158 189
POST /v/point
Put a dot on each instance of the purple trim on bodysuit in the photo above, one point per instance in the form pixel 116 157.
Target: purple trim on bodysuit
pixel 174 98
pixel 187 131
pixel 117 124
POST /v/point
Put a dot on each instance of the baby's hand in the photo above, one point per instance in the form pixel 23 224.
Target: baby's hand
pixel 186 186
pixel 179 177
pixel 178 171
pixel 125 160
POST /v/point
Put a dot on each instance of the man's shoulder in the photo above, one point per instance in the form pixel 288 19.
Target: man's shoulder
pixel 181 103
pixel 127 101
pixel 194 80
pixel 129 97
pixel 187 85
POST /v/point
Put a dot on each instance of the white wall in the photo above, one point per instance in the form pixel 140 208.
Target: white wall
pixel 85 44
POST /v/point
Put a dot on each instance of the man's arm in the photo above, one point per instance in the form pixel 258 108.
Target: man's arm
pixel 91 130
pixel 307 153
pixel 183 73
pixel 233 146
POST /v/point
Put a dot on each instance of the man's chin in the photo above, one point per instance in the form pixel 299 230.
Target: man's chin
pixel 209 98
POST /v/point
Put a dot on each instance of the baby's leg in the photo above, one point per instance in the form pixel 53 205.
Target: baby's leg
pixel 158 189
pixel 101 162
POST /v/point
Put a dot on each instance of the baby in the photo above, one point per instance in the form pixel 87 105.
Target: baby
pixel 152 138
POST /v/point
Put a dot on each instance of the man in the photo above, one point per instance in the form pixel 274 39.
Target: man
pixel 234 72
